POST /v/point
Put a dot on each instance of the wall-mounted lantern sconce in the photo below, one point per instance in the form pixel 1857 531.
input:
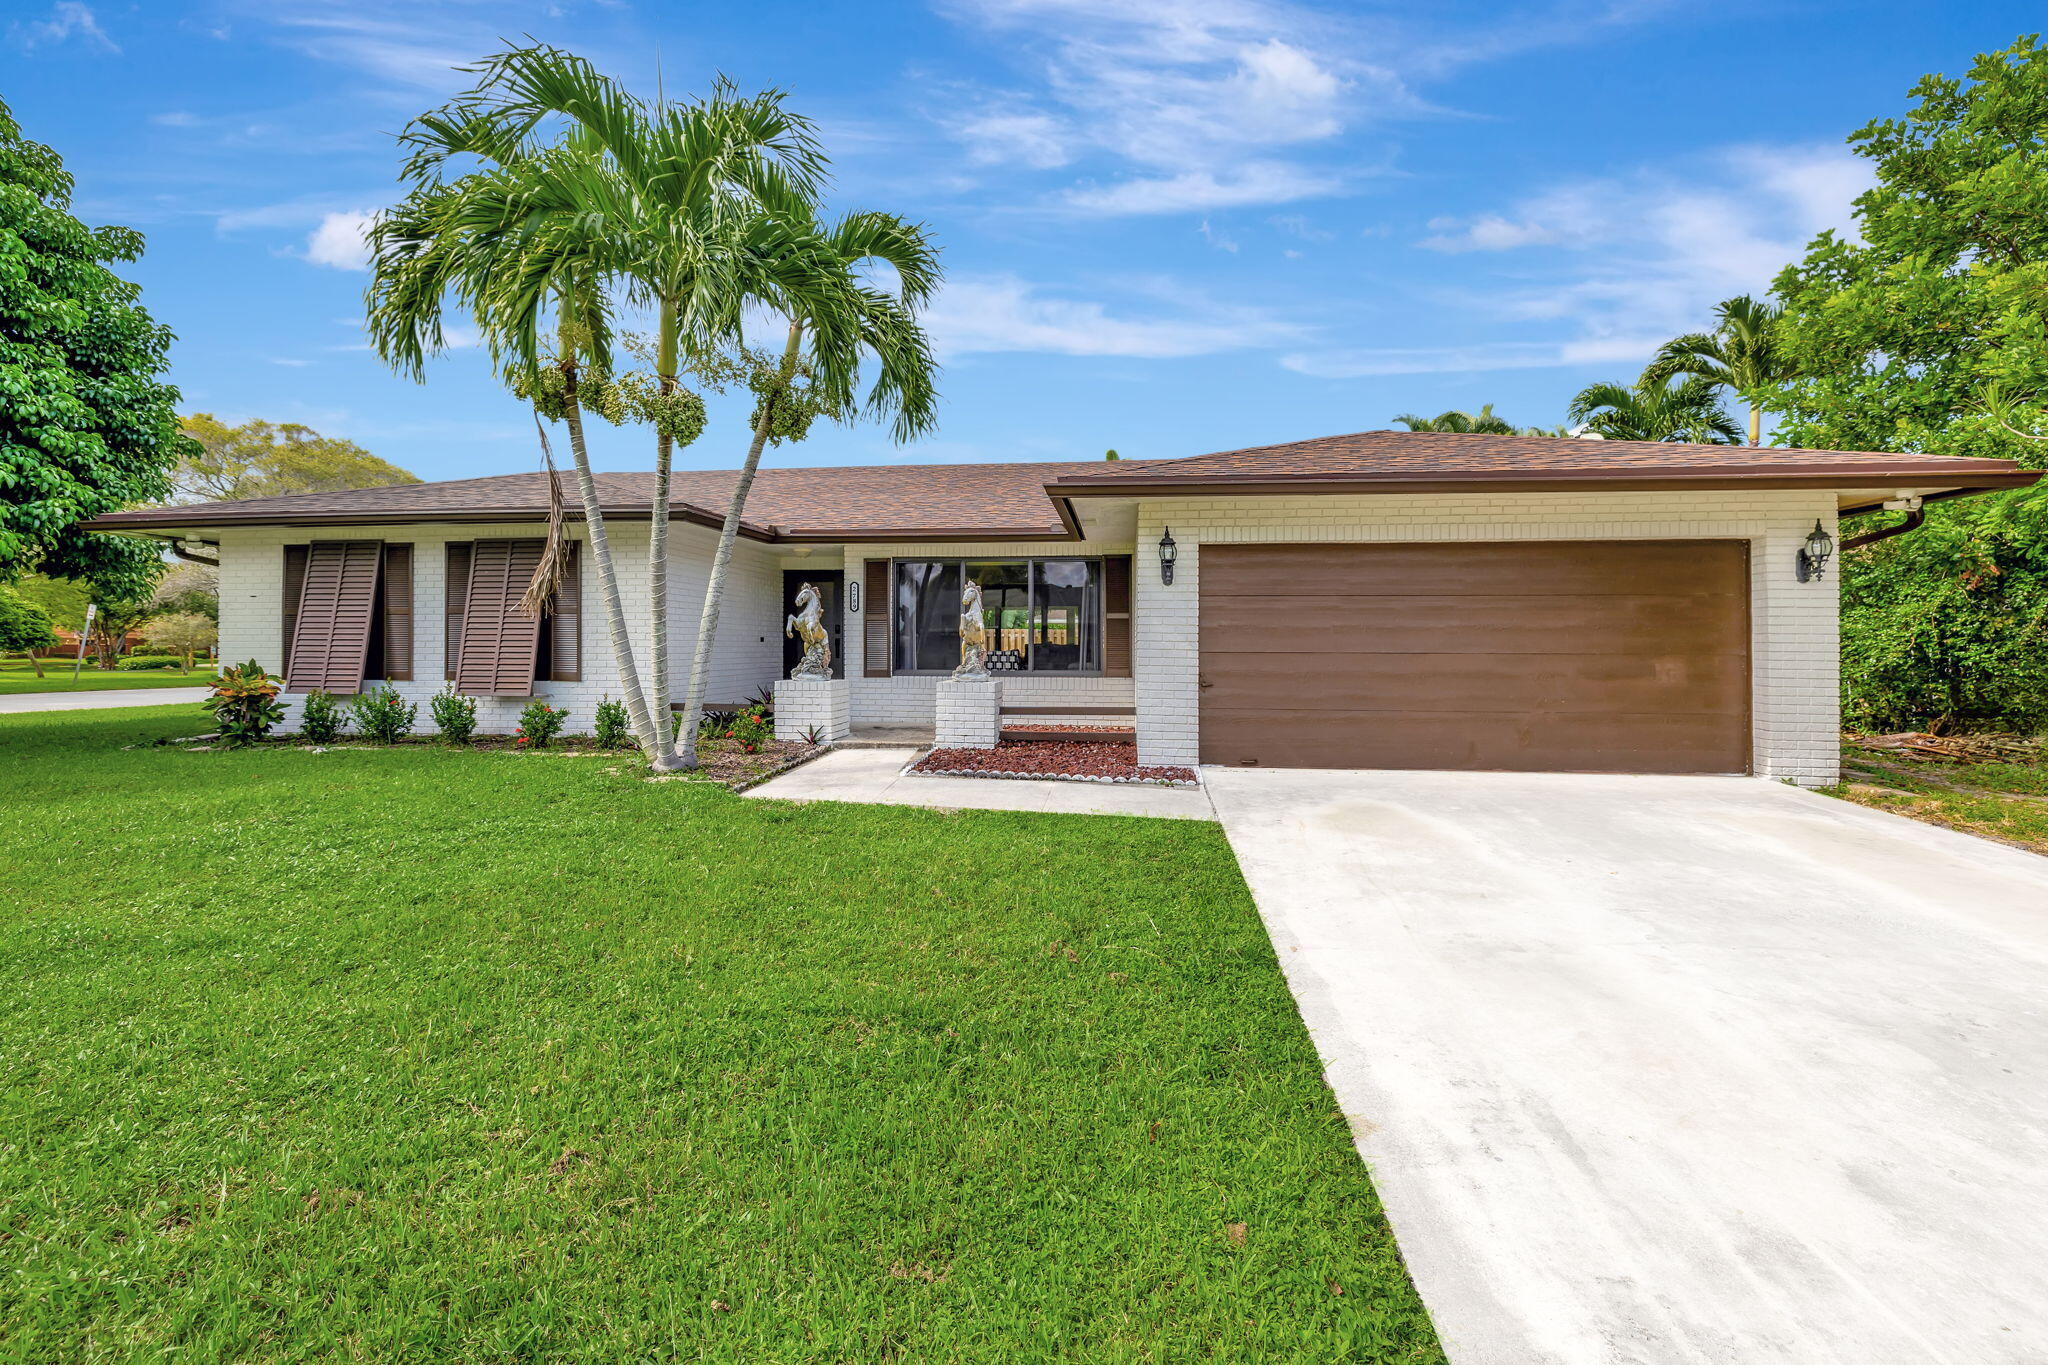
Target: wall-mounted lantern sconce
pixel 1814 554
pixel 1168 552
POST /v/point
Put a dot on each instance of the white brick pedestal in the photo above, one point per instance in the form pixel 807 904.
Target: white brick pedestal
pixel 969 714
pixel 819 702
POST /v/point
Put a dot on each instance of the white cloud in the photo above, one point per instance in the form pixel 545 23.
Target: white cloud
pixel 1215 237
pixel 1628 260
pixel 998 313
pixel 1259 183
pixel 1193 102
pixel 339 241
pixel 175 118
pixel 290 362
pixel 68 20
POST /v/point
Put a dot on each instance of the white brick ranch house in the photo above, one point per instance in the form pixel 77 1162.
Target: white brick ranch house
pixel 1384 599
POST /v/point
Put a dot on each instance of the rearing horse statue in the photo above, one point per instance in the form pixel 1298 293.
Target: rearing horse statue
pixel 808 624
pixel 973 633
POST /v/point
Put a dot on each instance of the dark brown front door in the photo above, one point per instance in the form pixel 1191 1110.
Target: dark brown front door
pixel 1579 656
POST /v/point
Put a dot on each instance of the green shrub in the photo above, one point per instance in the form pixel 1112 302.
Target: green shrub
pixel 612 728
pixel 382 715
pixel 454 715
pixel 23 624
pixel 141 663
pixel 244 703
pixel 320 719
pixel 750 729
pixel 539 723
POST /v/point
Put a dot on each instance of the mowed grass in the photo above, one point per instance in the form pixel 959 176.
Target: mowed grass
pixel 18 676
pixel 421 1055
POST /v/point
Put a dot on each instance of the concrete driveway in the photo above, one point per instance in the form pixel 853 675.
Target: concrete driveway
pixel 1665 1069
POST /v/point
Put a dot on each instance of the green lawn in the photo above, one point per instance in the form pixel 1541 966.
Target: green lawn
pixel 422 1055
pixel 17 676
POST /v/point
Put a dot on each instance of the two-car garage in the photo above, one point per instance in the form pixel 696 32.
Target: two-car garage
pixel 1569 656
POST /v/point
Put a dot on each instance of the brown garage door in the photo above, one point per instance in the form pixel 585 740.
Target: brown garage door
pixel 1580 656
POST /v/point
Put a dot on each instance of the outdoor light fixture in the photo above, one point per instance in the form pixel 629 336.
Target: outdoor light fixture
pixel 1168 552
pixel 1814 554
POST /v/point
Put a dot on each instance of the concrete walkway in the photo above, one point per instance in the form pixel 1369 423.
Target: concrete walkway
pixel 876 776
pixel 1663 1070
pixel 96 701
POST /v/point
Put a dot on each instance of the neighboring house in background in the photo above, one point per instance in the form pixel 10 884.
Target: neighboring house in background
pixel 1385 599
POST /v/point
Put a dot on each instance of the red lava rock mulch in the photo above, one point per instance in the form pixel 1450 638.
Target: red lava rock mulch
pixel 1092 762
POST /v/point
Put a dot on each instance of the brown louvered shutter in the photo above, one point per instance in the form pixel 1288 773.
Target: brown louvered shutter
pixel 565 621
pixel 337 604
pixel 875 617
pixel 398 613
pixel 452 603
pixel 1116 616
pixel 500 643
pixel 294 584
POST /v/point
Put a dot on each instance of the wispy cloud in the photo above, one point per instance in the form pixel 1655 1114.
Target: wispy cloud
pixel 1187 107
pixel 69 21
pixel 1365 361
pixel 1629 260
pixel 997 313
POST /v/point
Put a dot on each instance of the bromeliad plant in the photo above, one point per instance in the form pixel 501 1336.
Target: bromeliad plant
pixel 538 723
pixel 244 703
pixel 383 716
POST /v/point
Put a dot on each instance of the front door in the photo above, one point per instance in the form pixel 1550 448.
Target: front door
pixel 829 583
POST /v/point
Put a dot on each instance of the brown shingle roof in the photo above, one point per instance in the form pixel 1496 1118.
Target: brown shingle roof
pixel 994 501
pixel 1003 500
pixel 1428 455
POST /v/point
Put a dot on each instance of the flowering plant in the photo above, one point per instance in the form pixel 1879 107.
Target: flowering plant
pixel 539 723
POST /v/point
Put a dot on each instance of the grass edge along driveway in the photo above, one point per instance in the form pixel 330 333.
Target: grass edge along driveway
pixel 17 678
pixel 376 1055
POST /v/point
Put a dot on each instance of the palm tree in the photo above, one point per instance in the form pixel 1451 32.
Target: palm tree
pixel 1741 354
pixel 1482 422
pixel 682 178
pixel 513 246
pixel 1655 410
pixel 820 361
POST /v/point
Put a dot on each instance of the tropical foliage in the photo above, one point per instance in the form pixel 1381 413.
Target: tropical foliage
pixel 265 460
pixel 86 425
pixel 1654 409
pixel 1482 422
pixel 244 703
pixel 705 210
pixel 1742 355
pixel 24 626
pixel 1927 330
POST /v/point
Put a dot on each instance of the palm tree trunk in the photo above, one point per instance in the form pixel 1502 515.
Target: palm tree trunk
pixel 652 743
pixel 714 588
pixel 657 535
pixel 1756 424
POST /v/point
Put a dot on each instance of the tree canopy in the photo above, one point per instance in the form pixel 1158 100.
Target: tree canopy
pixel 86 424
pixel 1928 331
pixel 263 460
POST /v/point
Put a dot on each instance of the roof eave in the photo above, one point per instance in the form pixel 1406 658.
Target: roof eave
pixel 1553 481
pixel 152 524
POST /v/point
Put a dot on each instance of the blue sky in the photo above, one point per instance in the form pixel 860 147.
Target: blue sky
pixel 1168 227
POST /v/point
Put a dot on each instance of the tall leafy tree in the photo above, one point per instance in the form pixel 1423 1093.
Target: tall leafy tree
pixel 1927 330
pixel 86 424
pixel 1742 354
pixel 1654 409
pixel 264 460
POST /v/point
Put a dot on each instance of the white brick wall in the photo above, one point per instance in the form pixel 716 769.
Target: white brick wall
pixel 969 713
pixel 747 658
pixel 913 700
pixel 1794 649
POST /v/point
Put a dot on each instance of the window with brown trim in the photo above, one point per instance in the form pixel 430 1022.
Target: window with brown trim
pixel 512 651
pixel 347 615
